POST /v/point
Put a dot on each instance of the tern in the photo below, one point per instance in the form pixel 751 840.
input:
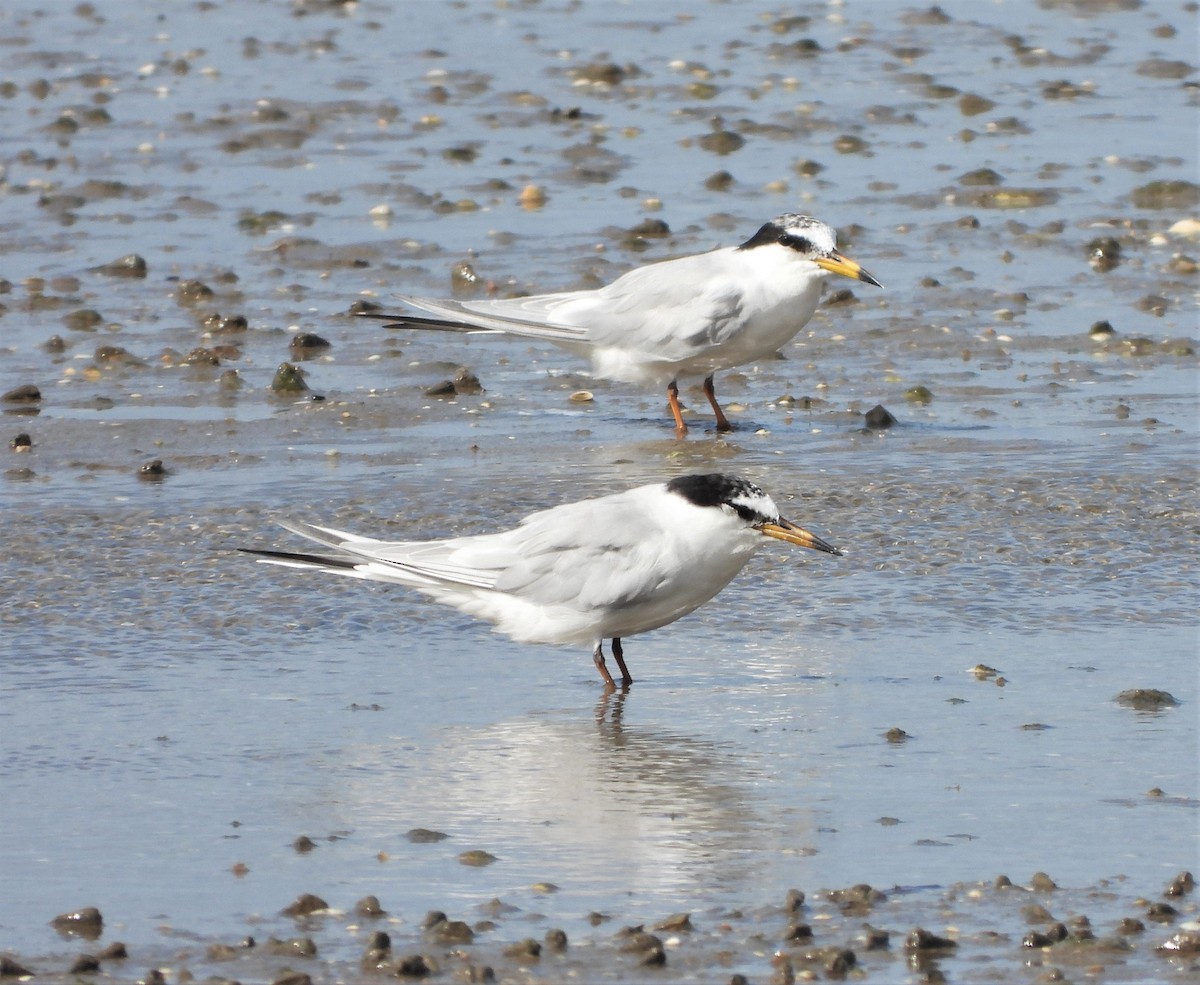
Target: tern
pixel 582 572
pixel 689 316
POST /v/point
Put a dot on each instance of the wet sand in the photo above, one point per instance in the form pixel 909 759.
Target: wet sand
pixel 1020 176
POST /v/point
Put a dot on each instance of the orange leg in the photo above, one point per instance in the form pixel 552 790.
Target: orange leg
pixel 598 660
pixel 673 403
pixel 619 656
pixel 722 421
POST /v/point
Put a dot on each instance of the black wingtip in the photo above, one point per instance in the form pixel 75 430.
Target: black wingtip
pixel 316 560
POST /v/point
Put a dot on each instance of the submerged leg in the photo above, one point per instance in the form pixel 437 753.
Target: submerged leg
pixel 598 660
pixel 619 656
pixel 722 421
pixel 673 403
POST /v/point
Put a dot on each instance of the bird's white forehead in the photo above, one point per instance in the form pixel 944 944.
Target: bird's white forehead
pixel 821 235
pixel 756 500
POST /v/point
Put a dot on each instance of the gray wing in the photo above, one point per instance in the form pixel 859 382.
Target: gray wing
pixel 668 310
pixel 596 553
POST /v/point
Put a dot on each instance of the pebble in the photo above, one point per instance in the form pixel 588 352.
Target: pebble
pixel 1147 699
pixel 369 906
pixel 130 265
pixel 879 418
pixel 304 904
pixel 288 379
pixel 26 393
pixel 86 922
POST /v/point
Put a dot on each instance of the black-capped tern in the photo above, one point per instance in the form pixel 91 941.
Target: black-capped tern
pixel 582 572
pixel 690 316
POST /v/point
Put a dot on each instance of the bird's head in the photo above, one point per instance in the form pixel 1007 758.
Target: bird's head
pixel 743 499
pixel 813 240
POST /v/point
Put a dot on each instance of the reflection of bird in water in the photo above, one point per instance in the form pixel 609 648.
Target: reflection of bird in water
pixel 583 572
pixel 684 317
pixel 620 805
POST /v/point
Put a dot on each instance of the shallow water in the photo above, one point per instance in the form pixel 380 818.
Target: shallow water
pixel 171 710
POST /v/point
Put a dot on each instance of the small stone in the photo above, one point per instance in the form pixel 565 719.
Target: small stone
pixel 972 105
pixel 1177 194
pixel 306 345
pixel 191 292
pixel 1104 253
pixel 424 836
pixel 27 393
pixel 85 964
pixel 879 418
pixel 798 932
pixel 719 181
pixel 369 906
pixel 1153 304
pixel 225 324
pixel 857 900
pixel 526 950
pixel 414 966
pixel 305 904
pixel 450 932
pixel 647 947
pixel 1181 885
pixel 83 320
pixel 1161 912
pixel 116 951
pixel 466 382
pixel 581 397
pixel 201 356
pixel 722 142
pixel 532 197
pixel 1185 942
pixel 1042 883
pixel 477 858
pixel 293 947
pixel 850 144
pixel 555 940
pixel 1147 699
pixel 675 923
pixel 981 176
pixel 130 265
pixel 920 939
pixel 13 969
pixel 839 963
pixel 289 977
pixel 874 939
pixel 289 379
pixel 87 923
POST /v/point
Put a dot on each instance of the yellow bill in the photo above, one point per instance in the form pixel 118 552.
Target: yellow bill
pixel 835 263
pixel 787 531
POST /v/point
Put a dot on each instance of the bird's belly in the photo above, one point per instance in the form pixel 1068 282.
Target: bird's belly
pixel 702 354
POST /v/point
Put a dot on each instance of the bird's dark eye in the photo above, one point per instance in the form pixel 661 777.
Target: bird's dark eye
pixel 801 244
pixel 745 512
